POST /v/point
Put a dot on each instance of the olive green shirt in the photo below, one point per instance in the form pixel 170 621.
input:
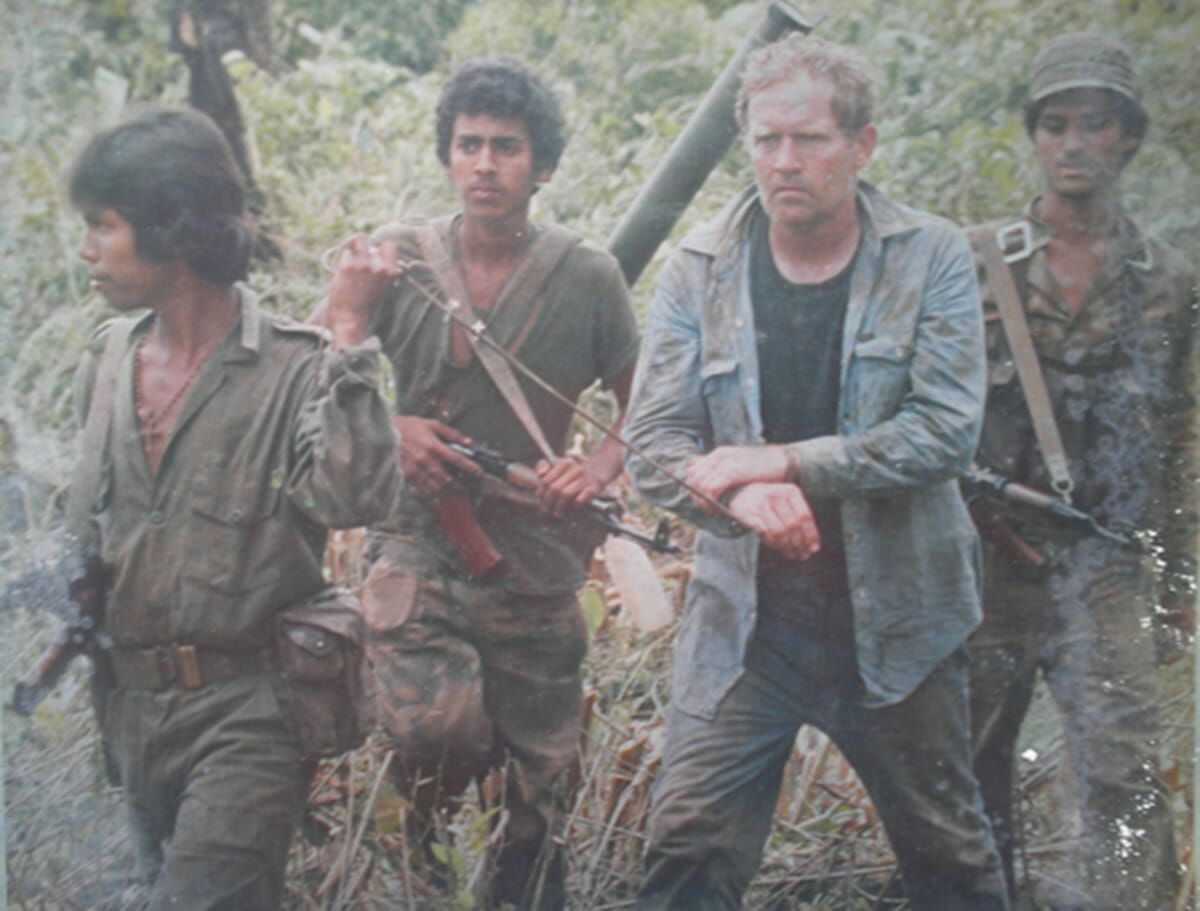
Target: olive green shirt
pixel 584 331
pixel 278 439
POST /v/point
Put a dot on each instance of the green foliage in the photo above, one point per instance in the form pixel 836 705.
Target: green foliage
pixel 405 33
pixel 595 608
pixel 60 79
pixel 342 141
pixel 342 138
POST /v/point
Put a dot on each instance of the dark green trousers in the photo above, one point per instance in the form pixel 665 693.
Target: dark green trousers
pixel 216 784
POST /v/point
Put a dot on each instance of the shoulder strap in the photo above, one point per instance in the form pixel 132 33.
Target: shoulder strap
pixel 1029 369
pixel 527 281
pixel 95 428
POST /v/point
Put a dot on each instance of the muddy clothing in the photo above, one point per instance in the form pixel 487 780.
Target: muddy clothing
pixel 276 441
pixel 1120 376
pixel 869 644
pixel 716 796
pixel 471 675
pixel 798 332
pixel 912 383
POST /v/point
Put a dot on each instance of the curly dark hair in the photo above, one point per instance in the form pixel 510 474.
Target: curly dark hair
pixel 505 89
pixel 169 172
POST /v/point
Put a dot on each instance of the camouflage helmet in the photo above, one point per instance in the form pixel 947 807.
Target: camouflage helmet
pixel 1082 60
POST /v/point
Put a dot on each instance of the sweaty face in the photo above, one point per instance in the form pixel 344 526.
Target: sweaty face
pixel 491 166
pixel 1080 142
pixel 805 166
pixel 125 280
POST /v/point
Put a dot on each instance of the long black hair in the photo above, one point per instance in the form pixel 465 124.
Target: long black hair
pixel 170 173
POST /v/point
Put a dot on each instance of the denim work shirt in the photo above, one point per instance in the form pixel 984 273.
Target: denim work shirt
pixel 912 392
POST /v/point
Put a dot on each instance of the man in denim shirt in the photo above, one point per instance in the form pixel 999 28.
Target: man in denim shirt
pixel 814 361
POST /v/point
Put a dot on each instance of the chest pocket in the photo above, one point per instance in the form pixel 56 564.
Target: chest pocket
pixel 721 389
pixel 878 377
pixel 233 546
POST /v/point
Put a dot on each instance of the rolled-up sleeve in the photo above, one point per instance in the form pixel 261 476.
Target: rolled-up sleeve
pixel 345 470
pixel 667 420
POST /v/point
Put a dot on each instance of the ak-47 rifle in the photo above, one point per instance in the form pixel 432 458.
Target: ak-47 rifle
pixel 983 482
pixel 85 592
pixel 518 483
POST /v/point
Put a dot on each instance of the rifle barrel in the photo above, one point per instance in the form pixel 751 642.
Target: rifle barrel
pixel 995 485
pixel 29 693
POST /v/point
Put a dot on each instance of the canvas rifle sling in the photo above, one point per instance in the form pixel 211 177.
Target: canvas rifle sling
pixel 547 251
pixel 1029 370
pixel 93 437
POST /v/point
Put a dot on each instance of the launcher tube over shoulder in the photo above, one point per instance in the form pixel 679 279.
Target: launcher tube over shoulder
pixel 704 140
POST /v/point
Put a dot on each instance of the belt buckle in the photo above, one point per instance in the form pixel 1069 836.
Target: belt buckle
pixel 189 667
pixel 164 665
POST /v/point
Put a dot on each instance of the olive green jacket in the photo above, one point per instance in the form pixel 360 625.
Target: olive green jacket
pixel 279 439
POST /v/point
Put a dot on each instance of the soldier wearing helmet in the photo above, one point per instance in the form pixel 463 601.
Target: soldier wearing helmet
pixel 1110 316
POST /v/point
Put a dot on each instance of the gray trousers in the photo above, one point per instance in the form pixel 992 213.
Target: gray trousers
pixel 715 799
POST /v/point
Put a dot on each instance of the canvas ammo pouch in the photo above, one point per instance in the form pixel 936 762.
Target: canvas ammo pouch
pixel 320 645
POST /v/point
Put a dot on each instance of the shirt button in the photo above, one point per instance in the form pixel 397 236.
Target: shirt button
pixel 156 518
pixel 236 515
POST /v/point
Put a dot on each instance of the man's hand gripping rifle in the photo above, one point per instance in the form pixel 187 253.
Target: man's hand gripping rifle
pixel 84 604
pixel 518 483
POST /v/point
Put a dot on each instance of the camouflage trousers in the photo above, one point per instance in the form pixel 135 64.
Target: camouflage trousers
pixel 215 785
pixel 469 677
pixel 1086 626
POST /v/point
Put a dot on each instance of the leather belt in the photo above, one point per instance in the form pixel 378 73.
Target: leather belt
pixel 187 667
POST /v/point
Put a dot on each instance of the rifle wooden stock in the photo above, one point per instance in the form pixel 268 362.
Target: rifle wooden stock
pixel 1015 548
pixel 86 593
pixel 54 661
pixel 456 514
pixel 519 484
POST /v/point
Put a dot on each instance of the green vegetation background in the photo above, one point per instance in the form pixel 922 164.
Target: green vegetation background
pixel 341 132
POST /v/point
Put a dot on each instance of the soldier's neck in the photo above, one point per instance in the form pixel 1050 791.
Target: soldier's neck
pixel 493 242
pixel 1079 219
pixel 192 320
pixel 1083 227
pixel 488 253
